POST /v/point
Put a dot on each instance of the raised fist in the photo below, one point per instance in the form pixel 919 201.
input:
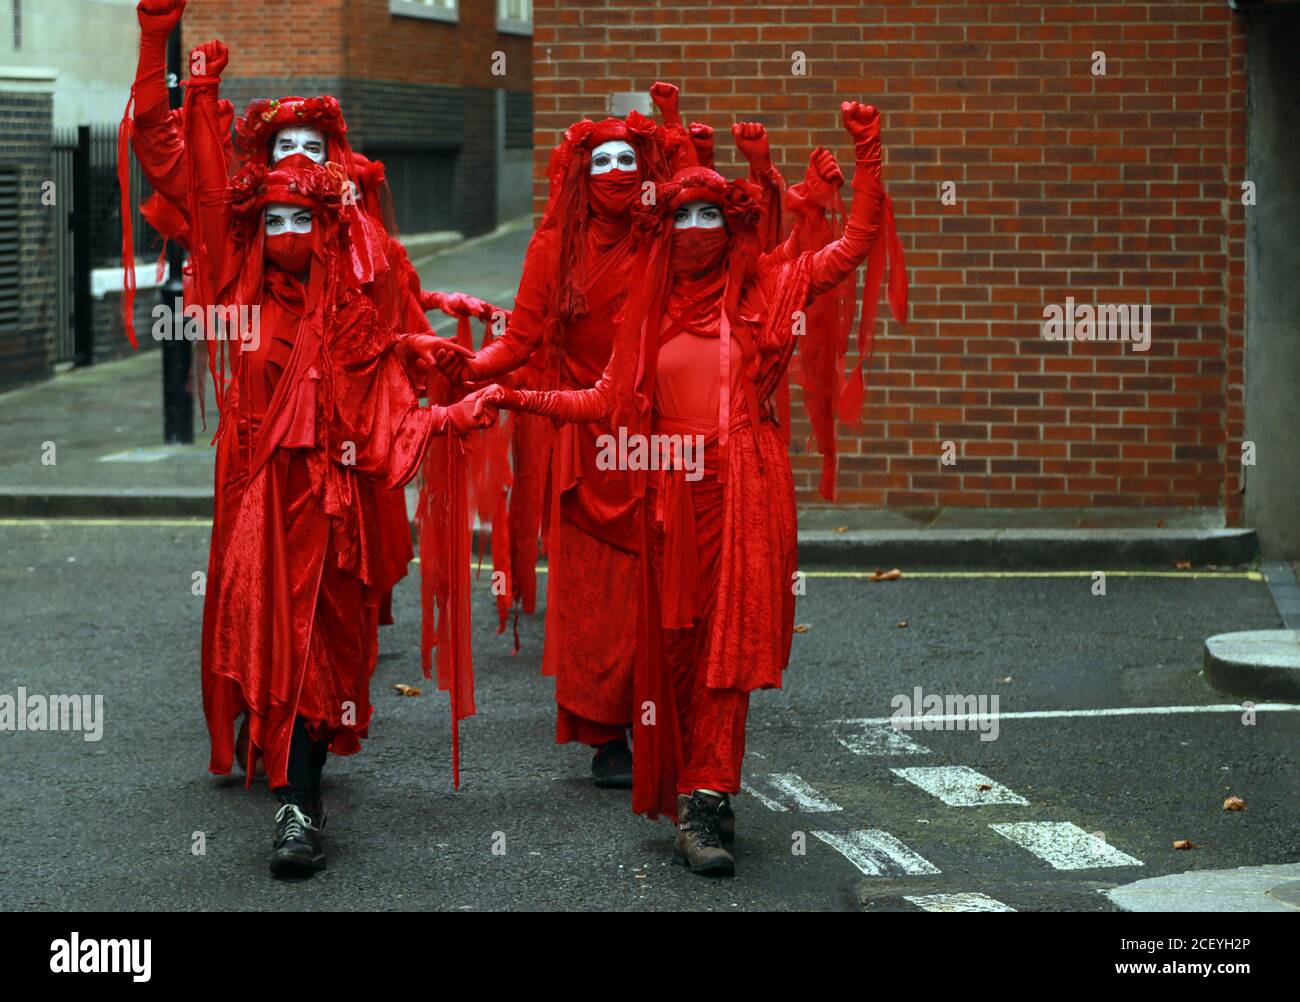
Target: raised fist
pixel 701 133
pixel 861 120
pixel 664 95
pixel 751 139
pixel 823 165
pixel 159 16
pixel 209 59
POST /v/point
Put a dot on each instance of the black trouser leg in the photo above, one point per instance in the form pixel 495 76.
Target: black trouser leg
pixel 306 760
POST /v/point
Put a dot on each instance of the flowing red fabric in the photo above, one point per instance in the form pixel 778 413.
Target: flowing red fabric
pixel 887 249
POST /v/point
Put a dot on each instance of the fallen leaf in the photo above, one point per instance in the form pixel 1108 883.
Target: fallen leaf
pixel 1234 804
pixel 1182 565
pixel 902 624
pixel 1160 523
pixel 801 627
pixel 841 528
pixel 984 786
pixel 882 575
pixel 406 690
pixel 1184 843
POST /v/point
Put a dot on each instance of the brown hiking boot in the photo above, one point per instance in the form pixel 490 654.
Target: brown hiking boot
pixel 698 844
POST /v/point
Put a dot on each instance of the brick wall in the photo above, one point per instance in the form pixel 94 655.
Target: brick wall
pixel 1122 188
pixel 26 351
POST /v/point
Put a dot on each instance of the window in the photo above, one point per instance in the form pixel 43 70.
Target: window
pixel 432 10
pixel 17 7
pixel 515 17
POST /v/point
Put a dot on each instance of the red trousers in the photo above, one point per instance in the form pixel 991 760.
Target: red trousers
pixel 711 721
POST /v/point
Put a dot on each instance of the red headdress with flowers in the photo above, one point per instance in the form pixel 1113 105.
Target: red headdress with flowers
pixel 568 209
pixel 263 118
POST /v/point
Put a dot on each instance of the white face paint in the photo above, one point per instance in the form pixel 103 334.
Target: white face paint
pixel 704 214
pixel 299 139
pixel 286 219
pixel 613 155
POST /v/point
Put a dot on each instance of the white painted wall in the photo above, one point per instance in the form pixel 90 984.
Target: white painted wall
pixel 90 44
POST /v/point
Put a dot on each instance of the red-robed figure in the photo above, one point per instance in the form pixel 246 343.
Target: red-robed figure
pixel 704 342
pixel 318 399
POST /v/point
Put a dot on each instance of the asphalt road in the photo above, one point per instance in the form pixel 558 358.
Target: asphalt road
pixel 107 609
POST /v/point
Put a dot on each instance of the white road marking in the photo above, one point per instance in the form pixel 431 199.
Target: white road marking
pixel 959 786
pixel 877 853
pixel 789 792
pixel 1115 711
pixel 971 901
pixel 1064 845
pixel 766 801
pixel 879 739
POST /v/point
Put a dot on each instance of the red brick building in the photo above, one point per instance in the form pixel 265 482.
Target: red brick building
pixel 1114 187
pixel 440 90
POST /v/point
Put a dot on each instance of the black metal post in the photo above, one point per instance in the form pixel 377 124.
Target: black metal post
pixel 83 321
pixel 178 405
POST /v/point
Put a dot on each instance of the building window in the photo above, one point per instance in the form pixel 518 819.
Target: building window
pixel 433 10
pixel 515 17
pixel 17 6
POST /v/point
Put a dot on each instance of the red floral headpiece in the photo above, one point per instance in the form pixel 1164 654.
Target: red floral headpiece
pixel 738 199
pixel 262 119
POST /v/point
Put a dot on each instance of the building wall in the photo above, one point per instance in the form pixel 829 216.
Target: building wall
pixel 1122 188
pixel 90 44
pixel 1273 292
pixel 409 87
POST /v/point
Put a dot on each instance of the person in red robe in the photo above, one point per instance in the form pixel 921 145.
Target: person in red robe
pixel 318 397
pixel 576 276
pixel 702 346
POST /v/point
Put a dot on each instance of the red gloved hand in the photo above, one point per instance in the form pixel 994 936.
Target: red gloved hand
pixel 664 95
pixel 209 59
pixel 472 413
pixel 751 139
pixel 702 140
pixel 823 165
pixel 432 352
pixel 159 16
pixel 495 397
pixel 863 123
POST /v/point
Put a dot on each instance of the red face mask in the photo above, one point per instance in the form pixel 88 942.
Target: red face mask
pixel 698 250
pixel 296 160
pixel 290 252
pixel 613 193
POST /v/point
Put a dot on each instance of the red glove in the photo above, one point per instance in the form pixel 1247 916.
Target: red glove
pixel 209 59
pixel 159 17
pixel 823 166
pixel 751 139
pixel 428 351
pixel 863 123
pixel 470 414
pixel 664 95
pixel 702 140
